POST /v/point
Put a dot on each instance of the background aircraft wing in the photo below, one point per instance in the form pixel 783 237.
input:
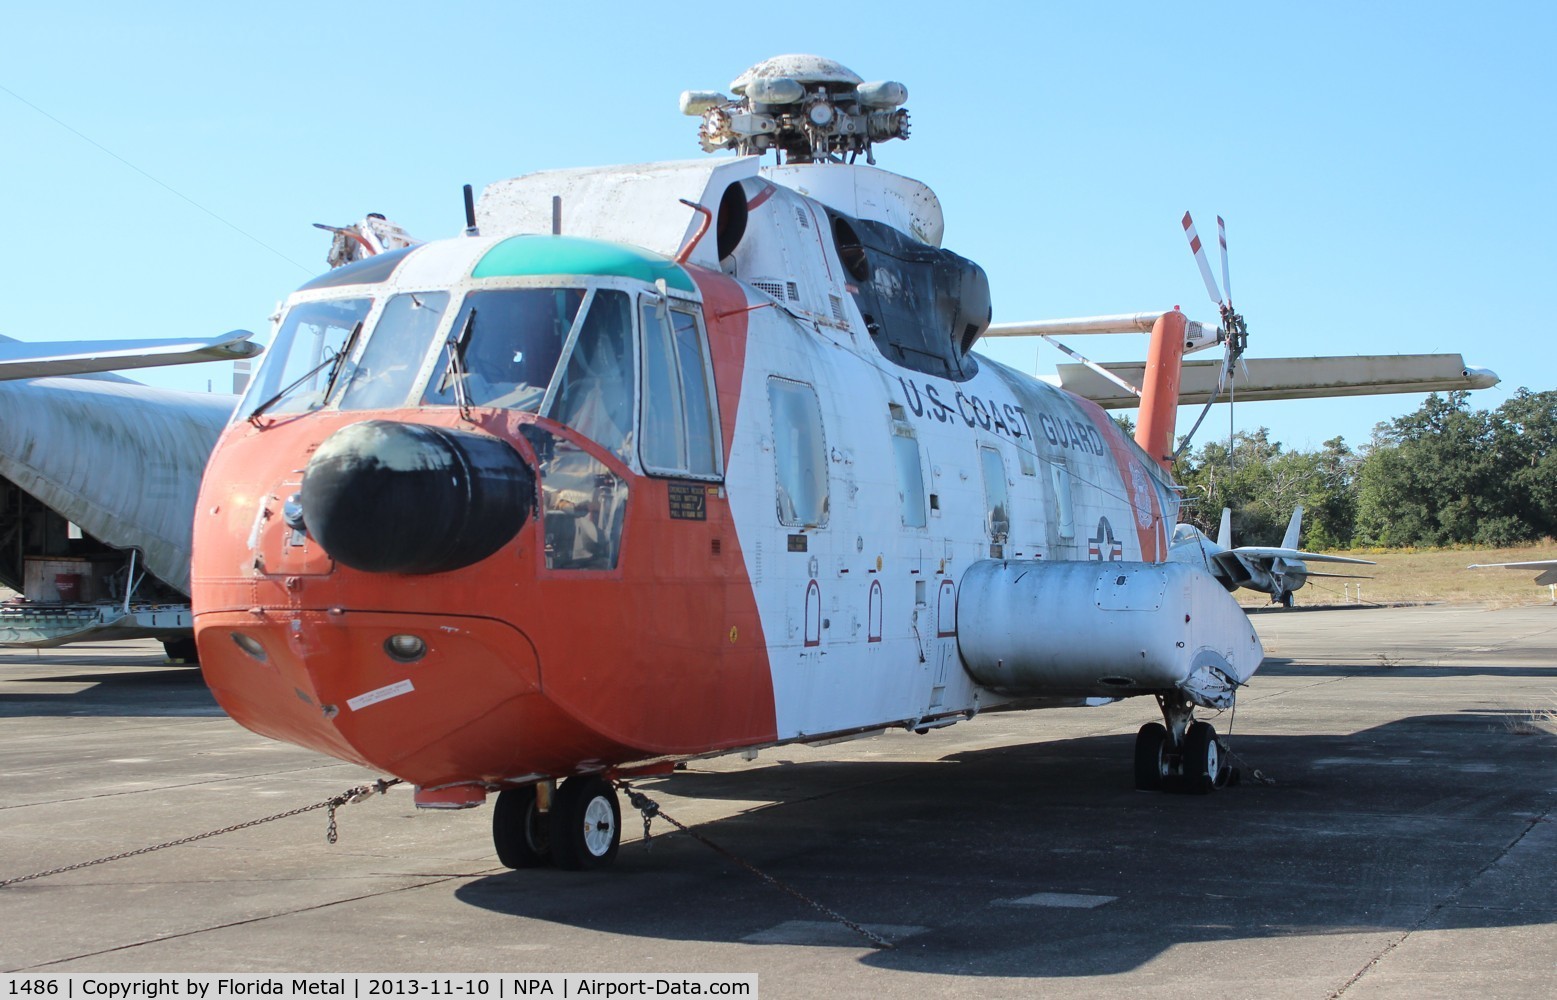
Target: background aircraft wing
pixel 1262 552
pixel 1287 378
pixel 1548 569
pixel 79 357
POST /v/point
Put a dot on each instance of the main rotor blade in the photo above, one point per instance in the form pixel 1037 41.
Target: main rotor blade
pixel 1200 259
pixel 1221 237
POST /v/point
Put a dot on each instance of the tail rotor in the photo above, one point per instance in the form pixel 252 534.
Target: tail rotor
pixel 1234 331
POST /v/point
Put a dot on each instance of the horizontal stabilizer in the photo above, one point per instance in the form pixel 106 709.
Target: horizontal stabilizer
pixel 81 357
pixel 1287 378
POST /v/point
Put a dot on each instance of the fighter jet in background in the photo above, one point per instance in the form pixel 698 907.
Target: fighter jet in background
pixel 1275 571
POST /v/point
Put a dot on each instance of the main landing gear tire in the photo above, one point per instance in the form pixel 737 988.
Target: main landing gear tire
pixel 1203 767
pixel 520 831
pixel 1150 743
pixel 586 824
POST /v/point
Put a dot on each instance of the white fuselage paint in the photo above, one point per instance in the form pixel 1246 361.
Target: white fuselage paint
pixel 861 625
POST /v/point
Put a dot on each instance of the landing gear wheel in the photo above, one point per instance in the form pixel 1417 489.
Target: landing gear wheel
pixel 586 824
pixel 1202 758
pixel 1150 743
pixel 1286 599
pixel 520 831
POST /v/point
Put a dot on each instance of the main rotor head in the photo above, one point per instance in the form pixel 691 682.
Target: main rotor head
pixel 806 108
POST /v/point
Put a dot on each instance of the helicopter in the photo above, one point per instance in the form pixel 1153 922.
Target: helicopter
pixel 673 460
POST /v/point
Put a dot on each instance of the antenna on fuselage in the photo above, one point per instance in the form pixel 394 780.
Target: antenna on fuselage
pixel 470 212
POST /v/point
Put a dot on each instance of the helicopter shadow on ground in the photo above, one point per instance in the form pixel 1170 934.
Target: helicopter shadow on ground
pixel 106 688
pixel 1386 664
pixel 1042 860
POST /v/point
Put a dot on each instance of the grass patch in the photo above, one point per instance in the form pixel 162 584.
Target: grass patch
pixel 1535 722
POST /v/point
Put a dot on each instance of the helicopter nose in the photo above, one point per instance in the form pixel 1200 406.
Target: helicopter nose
pixel 387 497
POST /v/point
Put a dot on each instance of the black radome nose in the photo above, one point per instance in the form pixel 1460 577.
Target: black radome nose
pixel 388 497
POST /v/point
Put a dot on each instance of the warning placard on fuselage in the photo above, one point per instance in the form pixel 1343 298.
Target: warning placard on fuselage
pixel 688 501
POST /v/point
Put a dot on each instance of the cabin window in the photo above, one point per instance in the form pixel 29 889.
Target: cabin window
pixel 1027 460
pixel 680 434
pixel 1065 509
pixel 583 504
pixel 799 453
pixel 996 494
pixel 301 360
pixel 910 479
pixel 594 396
pixel 383 375
pixel 507 342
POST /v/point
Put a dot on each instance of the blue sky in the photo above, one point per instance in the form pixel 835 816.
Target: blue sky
pixel 1385 169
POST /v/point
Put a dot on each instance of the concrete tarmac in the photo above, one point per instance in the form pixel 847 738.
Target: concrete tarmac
pixel 1407 847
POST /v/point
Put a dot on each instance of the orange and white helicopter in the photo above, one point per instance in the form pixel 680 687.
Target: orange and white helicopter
pixel 672 460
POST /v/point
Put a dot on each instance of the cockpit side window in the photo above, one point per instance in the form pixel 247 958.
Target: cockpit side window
pixel 680 429
pixel 394 352
pixel 584 504
pixel 595 394
pixel 664 447
pixel 508 341
pixel 696 394
pixel 301 359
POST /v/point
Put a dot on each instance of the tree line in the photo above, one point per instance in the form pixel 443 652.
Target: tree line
pixel 1443 475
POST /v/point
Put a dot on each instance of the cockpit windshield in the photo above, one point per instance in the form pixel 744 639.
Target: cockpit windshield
pixel 302 358
pixel 507 343
pixel 570 354
pixel 394 353
pixel 594 393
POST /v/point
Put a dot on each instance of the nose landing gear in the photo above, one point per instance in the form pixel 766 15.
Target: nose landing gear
pixel 1183 756
pixel 580 831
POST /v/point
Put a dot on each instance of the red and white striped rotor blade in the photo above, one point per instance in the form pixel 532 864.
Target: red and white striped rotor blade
pixel 1221 237
pixel 1200 258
